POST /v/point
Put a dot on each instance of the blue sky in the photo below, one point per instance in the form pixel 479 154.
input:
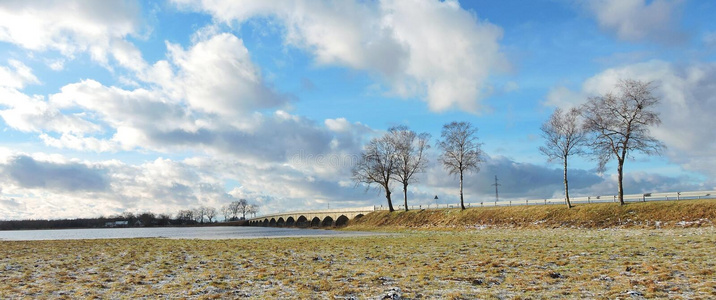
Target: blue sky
pixel 113 106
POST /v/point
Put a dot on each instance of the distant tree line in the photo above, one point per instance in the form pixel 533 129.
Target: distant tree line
pixel 607 127
pixel 234 211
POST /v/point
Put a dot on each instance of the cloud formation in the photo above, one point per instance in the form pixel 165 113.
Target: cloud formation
pixel 424 49
pixel 217 76
pixel 27 172
pixel 639 20
pixel 73 27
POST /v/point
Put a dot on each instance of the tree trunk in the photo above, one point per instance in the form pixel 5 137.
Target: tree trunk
pixel 566 184
pixel 405 196
pixel 620 170
pixel 390 203
pixel 462 203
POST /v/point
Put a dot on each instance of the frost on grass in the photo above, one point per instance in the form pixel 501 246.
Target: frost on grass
pixel 489 263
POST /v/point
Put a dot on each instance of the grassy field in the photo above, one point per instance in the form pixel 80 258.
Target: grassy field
pixel 456 264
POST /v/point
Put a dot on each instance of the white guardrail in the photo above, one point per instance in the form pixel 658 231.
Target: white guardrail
pixel 574 200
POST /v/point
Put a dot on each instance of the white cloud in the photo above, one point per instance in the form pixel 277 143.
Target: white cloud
pixel 429 49
pixel 118 107
pixel 637 20
pixel 17 77
pixel 78 142
pixel 73 27
pixel 217 76
pixel 34 114
pixel 688 100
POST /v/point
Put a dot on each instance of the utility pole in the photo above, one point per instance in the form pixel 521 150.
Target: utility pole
pixel 497 195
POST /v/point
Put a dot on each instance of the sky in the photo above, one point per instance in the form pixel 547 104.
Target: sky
pixel 134 106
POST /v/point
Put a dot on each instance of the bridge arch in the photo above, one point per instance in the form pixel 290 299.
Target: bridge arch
pixel 341 221
pixel 266 222
pixel 327 222
pixel 272 223
pixel 302 221
pixel 290 221
pixel 315 222
pixel 280 222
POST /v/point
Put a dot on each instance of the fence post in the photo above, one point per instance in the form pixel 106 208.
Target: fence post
pixel 678 196
pixel 545 201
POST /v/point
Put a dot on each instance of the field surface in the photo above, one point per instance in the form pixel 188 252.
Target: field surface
pixel 626 263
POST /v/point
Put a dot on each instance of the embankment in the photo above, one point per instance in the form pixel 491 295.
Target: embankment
pixel 658 214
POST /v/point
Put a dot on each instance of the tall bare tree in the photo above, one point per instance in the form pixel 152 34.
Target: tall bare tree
pixel 199 214
pixel 620 123
pixel 239 207
pixel 226 212
pixel 410 156
pixel 253 209
pixel 210 213
pixel 564 135
pixel 377 165
pixel 461 152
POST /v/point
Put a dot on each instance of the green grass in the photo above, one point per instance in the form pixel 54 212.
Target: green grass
pixel 661 214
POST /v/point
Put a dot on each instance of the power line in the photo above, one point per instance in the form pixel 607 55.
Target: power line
pixel 497 194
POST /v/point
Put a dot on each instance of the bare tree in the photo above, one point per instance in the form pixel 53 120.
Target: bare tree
pixel 210 212
pixel 253 209
pixel 377 165
pixel 186 215
pixel 461 151
pixel 243 208
pixel 239 207
pixel 410 155
pixel 226 212
pixel 234 207
pixel 564 136
pixel 620 123
pixel 199 214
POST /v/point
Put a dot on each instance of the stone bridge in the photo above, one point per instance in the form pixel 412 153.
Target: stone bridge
pixel 312 218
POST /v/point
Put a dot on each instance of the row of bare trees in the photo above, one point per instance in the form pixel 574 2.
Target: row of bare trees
pixel 401 153
pixel 606 127
pixel 609 126
pixel 230 212
pixel 397 155
pixel 242 208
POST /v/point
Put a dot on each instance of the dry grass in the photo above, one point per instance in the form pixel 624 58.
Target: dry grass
pixel 467 264
pixel 661 214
